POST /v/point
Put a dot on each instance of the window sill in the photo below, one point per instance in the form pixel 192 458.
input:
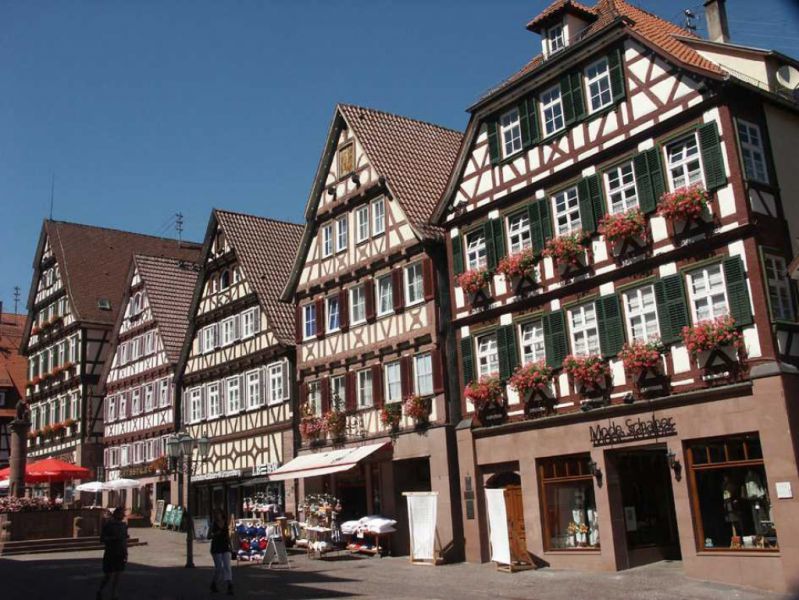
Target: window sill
pixel 750 552
pixel 385 314
pixel 574 551
pixel 414 303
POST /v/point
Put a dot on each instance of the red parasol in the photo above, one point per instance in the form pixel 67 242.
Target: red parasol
pixel 50 470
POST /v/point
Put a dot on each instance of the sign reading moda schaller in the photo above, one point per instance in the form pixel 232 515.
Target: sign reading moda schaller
pixel 631 430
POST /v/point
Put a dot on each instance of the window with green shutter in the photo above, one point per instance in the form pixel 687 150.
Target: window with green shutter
pixel 571 90
pixel 540 223
pixel 712 161
pixel 467 360
pixel 532 121
pixel 672 307
pixel 457 254
pixel 590 197
pixel 491 251
pixel 611 326
pixel 493 140
pixel 556 345
pixel 737 291
pixel 649 182
pixel 498 233
pixel 506 348
pixel 616 67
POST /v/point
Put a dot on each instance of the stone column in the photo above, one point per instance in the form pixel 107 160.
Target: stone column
pixel 19 451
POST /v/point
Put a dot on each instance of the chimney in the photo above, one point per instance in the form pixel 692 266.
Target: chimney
pixel 716 15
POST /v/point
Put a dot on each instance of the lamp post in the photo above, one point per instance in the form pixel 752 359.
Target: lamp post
pixel 180 447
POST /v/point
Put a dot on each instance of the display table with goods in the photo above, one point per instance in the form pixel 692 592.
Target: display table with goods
pixel 252 538
pixel 319 532
pixel 369 535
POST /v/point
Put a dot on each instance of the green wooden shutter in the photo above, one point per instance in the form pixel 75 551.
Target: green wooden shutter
pixel 597 201
pixel 555 344
pixel 586 206
pixel 576 89
pixel 532 116
pixel 657 178
pixel 491 251
pixel 524 123
pixel 457 254
pixel 649 184
pixel 493 141
pixel 671 306
pixel 611 327
pixel 540 226
pixel 546 218
pixel 737 291
pixel 712 161
pixel 499 238
pixel 566 99
pixel 506 349
pixel 616 69
pixel 467 358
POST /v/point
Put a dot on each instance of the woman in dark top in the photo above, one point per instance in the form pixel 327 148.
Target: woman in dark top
pixel 220 551
pixel 115 537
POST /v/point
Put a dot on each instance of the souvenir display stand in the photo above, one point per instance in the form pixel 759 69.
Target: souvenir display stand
pixel 369 535
pixel 252 538
pixel 319 533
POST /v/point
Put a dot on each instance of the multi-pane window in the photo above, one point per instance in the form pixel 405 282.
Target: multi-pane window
pixel 365 388
pixel 122 408
pixel 73 406
pixel 378 216
pixel 248 322
pixel 620 182
pixel 567 211
pixel 276 383
pixel 532 342
pixel 149 343
pixel 163 393
pixel 556 38
pixel 327 240
pixel 338 392
pixel 333 321
pixel 779 291
pixel 357 305
pixel 342 233
pixel 685 166
pixel 511 132
pixel 362 224
pixel 315 398
pixel 228 331
pixel 393 382
pixel 233 393
pixel 414 284
pixel 423 371
pixel 754 158
pixel 476 256
pixel 642 314
pixel 552 110
pixel 136 401
pixel 149 397
pixel 708 293
pixel 112 409
pixel 135 352
pixel 73 348
pixel 214 401
pixel 254 389
pixel 487 357
pixel 519 232
pixel 385 295
pixel 195 401
pixel 597 80
pixel 209 338
pixel 584 330
pixel 309 320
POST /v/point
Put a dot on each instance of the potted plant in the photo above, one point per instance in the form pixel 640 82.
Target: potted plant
pixel 486 395
pixel 391 414
pixel 519 270
pixel 684 206
pixel 35 329
pixel 568 251
pixel 532 382
pixel 36 380
pixel 625 232
pixel 417 408
pixel 714 342
pixel 46 432
pixel 159 465
pixel 32 434
pixel 335 424
pixel 474 283
pixel 643 362
pixel 71 425
pixel 590 374
pixel 58 429
pixel 311 428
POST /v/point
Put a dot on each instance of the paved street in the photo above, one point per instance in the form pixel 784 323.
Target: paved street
pixel 155 572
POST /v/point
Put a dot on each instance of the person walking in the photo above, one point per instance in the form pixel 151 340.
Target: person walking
pixel 115 537
pixel 220 551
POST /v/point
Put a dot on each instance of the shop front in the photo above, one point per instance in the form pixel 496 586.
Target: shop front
pixel 241 493
pixel 705 477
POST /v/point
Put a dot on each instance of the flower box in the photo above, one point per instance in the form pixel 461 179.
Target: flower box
pixel 590 374
pixel 391 414
pixel 569 251
pixel 519 271
pixel 474 284
pixel 714 343
pixel 311 429
pixel 487 397
pixel 625 232
pixel 417 408
pixel 531 379
pixel 335 424
pixel 722 357
pixel 685 208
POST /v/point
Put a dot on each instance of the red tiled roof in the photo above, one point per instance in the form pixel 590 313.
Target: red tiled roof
pixel 555 8
pixel 13 366
pixel 169 285
pixel 415 157
pixel 266 249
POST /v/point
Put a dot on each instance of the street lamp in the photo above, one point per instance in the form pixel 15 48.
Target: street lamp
pixel 180 447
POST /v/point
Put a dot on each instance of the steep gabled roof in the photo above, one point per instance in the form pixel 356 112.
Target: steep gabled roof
pixel 93 263
pixel 13 366
pixel 557 7
pixel 266 249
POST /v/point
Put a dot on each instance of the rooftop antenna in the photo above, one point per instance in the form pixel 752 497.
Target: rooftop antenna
pixel 52 193
pixel 689 23
pixel 179 226
pixel 16 299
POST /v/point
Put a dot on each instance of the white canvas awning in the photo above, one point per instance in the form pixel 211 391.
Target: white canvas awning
pixel 324 463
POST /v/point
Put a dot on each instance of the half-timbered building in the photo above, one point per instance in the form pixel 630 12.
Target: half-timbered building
pixel 369 287
pixel 80 274
pixel 13 374
pixel 138 379
pixel 625 327
pixel 237 362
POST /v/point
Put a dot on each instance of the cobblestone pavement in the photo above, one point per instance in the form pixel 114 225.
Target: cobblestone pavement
pixel 156 572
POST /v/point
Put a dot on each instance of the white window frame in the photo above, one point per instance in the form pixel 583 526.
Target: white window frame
pixel 682 163
pixel 552 117
pixel 327 240
pixel 487 355
pixel 195 402
pixel 248 323
pixel 423 374
pixel 112 409
pixel 252 380
pixel 636 309
pixel 392 381
pixel 531 334
pixel 73 406
pixel 620 180
pixel 136 348
pixel 378 216
pixel 361 224
pixel 163 393
pixel 753 155
pixel 332 309
pixel 228 329
pixel 384 284
pixel 209 338
pixel 778 287
pixel 338 385
pixel 476 252
pixel 414 283
pixel 233 384
pixel 364 388
pixel 519 234
pixel 357 309
pixel 275 373
pixel 597 85
pixel 565 221
pixel 122 406
pixel 135 401
pixel 556 38
pixel 585 334
pixel 149 397
pixel 510 132
pixel 708 294
pixel 315 397
pixel 309 321
pixel 342 233
pixel 213 399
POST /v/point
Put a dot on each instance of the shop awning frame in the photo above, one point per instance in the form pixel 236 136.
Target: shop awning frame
pixel 324 463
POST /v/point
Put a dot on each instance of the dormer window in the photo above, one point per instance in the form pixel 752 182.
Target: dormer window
pixel 224 280
pixel 555 38
pixel 511 131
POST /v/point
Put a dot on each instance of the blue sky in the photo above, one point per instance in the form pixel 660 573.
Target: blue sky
pixel 148 108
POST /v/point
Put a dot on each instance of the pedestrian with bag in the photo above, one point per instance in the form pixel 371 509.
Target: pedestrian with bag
pixel 114 535
pixel 220 551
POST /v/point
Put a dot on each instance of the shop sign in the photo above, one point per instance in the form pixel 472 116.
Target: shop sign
pixel 265 468
pixel 133 472
pixel 631 430
pixel 217 475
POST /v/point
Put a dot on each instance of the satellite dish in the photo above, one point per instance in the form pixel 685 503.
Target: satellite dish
pixel 788 77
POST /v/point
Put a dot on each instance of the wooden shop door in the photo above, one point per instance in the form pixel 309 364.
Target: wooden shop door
pixel 514 508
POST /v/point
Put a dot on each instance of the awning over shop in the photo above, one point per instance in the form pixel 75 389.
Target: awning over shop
pixel 324 463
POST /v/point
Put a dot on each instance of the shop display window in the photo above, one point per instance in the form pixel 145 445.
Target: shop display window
pixel 729 489
pixel 568 508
